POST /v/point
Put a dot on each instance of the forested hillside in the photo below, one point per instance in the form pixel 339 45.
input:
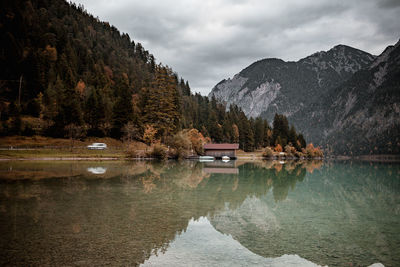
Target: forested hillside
pixel 64 71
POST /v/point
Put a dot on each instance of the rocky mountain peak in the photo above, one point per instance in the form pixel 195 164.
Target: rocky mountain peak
pixel 383 58
pixel 325 95
pixel 263 87
pixel 342 59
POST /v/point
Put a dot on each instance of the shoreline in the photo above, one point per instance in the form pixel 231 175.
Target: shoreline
pixel 63 158
pixel 376 159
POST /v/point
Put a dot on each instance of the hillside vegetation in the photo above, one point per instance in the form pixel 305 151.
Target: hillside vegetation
pixel 65 73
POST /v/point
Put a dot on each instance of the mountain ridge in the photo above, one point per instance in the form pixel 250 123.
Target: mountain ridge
pixel 265 78
pixel 311 89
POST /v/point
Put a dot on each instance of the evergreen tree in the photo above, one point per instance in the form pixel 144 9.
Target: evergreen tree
pixel 246 136
pixel 94 114
pixel 214 128
pixel 259 132
pixel 280 129
pixel 267 138
pixel 69 109
pixel 292 136
pixel 302 141
pixel 122 110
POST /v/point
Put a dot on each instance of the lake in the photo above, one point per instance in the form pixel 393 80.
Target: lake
pixel 190 213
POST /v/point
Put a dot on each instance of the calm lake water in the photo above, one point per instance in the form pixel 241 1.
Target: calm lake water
pixel 199 214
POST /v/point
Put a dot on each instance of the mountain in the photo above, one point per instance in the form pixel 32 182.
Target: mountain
pixel 332 97
pixel 361 116
pixel 272 86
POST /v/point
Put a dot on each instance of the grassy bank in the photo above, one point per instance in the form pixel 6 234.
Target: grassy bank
pixel 61 153
pixel 38 147
pixel 55 143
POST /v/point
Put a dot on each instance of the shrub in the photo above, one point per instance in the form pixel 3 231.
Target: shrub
pixel 268 152
pixel 312 152
pixel 180 145
pixel 290 151
pixel 158 151
pixel 318 152
pixel 299 154
pixel 136 150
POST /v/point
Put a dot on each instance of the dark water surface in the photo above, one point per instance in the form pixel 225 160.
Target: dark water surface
pixel 199 214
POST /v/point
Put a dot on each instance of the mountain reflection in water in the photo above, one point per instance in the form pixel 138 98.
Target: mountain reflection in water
pixel 334 214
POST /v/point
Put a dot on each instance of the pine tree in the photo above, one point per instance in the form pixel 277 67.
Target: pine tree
pixel 280 128
pixel 258 132
pixel 292 136
pixel 122 110
pixel 214 128
pixel 267 138
pixel 246 135
pixel 302 141
pixel 94 114
pixel 162 103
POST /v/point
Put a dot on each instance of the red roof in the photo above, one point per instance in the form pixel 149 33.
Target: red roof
pixel 221 146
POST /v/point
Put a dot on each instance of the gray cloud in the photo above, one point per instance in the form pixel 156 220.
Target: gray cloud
pixel 206 41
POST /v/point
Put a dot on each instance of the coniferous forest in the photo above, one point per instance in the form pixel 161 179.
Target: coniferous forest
pixel 64 70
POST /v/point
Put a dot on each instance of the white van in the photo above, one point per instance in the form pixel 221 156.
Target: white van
pixel 99 146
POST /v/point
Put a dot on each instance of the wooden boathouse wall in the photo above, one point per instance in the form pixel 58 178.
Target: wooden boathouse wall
pixel 220 150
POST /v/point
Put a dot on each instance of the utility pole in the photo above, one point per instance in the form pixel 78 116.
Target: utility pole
pixel 19 90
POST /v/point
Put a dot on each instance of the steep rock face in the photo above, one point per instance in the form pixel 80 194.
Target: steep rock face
pixel 344 99
pixel 362 116
pixel 269 86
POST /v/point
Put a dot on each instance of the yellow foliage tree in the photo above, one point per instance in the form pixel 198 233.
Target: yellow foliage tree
pixel 149 134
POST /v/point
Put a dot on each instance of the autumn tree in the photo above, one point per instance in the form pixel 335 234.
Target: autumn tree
pixel 162 103
pixel 235 133
pixel 197 140
pixel 149 134
pixel 278 148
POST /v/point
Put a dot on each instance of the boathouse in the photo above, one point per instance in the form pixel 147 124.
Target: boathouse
pixel 220 150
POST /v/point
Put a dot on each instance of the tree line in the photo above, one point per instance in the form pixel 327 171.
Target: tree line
pixel 64 73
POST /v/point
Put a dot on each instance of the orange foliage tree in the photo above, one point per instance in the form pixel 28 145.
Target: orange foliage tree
pixel 197 139
pixel 278 148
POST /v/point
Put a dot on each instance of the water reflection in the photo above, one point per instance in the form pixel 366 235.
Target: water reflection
pixel 202 245
pixel 136 209
pixel 97 170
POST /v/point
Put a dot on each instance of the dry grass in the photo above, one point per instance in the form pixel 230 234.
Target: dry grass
pixel 256 154
pixel 47 147
pixel 61 153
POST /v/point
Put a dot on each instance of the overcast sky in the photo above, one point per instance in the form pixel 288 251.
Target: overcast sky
pixel 206 41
